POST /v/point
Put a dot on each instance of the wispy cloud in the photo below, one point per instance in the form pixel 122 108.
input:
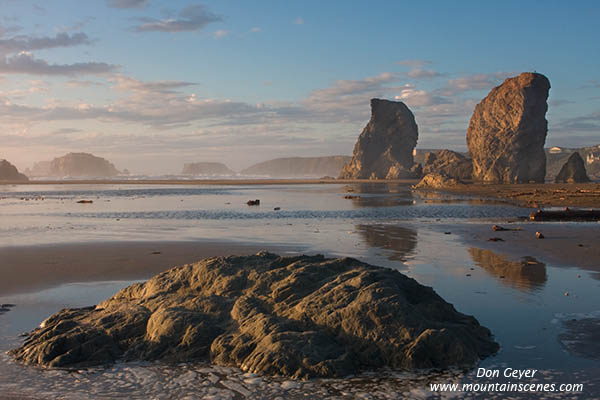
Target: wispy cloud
pixel 26 63
pixel 191 18
pixel 256 29
pixel 299 21
pixel 27 43
pixel 127 3
pixel 473 82
pixel 417 70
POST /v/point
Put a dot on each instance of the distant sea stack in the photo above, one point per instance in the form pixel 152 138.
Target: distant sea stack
pixel 83 165
pixel 313 167
pixel 9 173
pixel 508 129
pixel 206 168
pixel 573 171
pixel 384 149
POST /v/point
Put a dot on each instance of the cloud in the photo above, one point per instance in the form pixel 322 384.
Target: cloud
pixel 256 29
pixel 419 73
pixel 221 33
pixel 26 43
pixel 419 98
pixel 126 83
pixel 127 3
pixel 473 82
pixel 191 18
pixel 25 63
pixel 299 21
pixel 560 102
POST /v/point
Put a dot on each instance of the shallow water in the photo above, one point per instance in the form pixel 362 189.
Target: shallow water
pixel 522 303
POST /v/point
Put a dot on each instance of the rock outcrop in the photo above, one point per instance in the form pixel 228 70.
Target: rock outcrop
pixel 384 149
pixel 206 168
pixel 436 181
pixel 10 173
pixel 573 171
pixel 307 167
pixel 81 165
pixel 304 316
pixel 448 163
pixel 508 129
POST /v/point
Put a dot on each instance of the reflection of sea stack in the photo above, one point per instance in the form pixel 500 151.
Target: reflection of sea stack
pixel 399 240
pixel 384 149
pixel 528 274
pixel 302 316
pixel 508 129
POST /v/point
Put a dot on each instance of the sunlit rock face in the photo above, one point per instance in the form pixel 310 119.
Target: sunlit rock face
pixel 448 163
pixel 384 149
pixel 508 129
pixel 573 171
pixel 304 316
pixel 9 172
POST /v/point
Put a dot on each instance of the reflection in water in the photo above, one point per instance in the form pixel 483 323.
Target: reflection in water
pixel 378 195
pixel 400 240
pixel 528 274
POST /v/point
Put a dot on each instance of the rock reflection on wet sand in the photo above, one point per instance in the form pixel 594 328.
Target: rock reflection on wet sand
pixel 401 241
pixel 528 274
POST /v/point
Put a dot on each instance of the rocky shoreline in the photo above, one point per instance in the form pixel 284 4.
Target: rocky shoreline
pixel 302 317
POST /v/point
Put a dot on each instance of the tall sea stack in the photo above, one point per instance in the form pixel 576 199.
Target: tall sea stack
pixel 384 149
pixel 508 129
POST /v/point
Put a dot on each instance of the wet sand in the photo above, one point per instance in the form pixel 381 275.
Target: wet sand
pixel 571 244
pixel 31 268
pixel 534 194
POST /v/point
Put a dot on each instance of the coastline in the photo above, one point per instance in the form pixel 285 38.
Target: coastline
pixel 534 195
pixel 232 182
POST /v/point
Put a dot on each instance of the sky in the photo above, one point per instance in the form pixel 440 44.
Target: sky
pixel 151 85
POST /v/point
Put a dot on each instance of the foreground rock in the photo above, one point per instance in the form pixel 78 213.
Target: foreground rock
pixel 508 129
pixel 295 167
pixel 10 173
pixel 573 171
pixel 436 181
pixel 297 316
pixel 206 168
pixel 449 163
pixel 384 149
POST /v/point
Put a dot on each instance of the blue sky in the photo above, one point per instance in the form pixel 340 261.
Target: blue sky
pixel 152 84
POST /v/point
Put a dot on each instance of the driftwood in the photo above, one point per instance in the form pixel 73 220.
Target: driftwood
pixel 565 215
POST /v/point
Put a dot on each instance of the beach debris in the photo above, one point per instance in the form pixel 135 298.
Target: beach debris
pixel 468 275
pixel 350 196
pixel 253 202
pixel 277 209
pixel 85 201
pixel 565 215
pixel 156 252
pixel 447 233
pixel 495 239
pixel 539 235
pixel 566 293
pixel 267 315
pixel 498 228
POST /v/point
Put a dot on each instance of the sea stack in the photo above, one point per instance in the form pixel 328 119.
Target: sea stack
pixel 9 173
pixel 508 129
pixel 573 171
pixel 384 149
pixel 82 165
